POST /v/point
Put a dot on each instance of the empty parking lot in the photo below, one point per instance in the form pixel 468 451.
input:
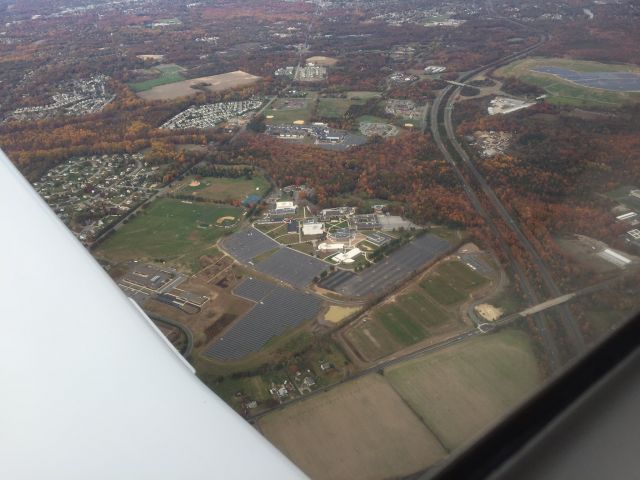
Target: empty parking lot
pixel 390 271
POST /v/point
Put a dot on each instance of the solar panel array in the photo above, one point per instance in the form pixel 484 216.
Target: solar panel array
pixel 278 309
pixel 390 271
pixel 254 290
pixel 293 267
pixel 616 81
pixel 248 244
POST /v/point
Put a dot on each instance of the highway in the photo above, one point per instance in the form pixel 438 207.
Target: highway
pixel 569 325
pixel 442 108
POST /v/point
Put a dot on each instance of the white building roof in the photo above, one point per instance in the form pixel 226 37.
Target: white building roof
pixel 614 257
pixel 330 246
pixel 312 228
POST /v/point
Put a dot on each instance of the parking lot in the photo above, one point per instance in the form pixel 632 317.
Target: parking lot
pixel 390 271
pixel 277 309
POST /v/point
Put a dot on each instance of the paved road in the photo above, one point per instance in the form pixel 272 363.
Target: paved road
pixel 394 360
pixel 569 324
pixel 442 107
pixel 376 367
pixel 187 332
pixel 274 98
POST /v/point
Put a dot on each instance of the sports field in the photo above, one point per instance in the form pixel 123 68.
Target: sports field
pixel 336 107
pixel 451 282
pixel 411 318
pixel 220 189
pixel 333 107
pixel 426 310
pixel 565 92
pixel 281 110
pixel 461 390
pixel 360 430
pixel 170 230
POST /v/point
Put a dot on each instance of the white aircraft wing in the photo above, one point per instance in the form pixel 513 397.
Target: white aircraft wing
pixel 88 388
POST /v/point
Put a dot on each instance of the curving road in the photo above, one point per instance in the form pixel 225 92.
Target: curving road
pixel 442 108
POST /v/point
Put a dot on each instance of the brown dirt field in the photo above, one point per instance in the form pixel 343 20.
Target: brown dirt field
pixel 221 302
pixel 217 83
pixel 336 314
pixel 361 430
pixel 461 390
pixel 320 60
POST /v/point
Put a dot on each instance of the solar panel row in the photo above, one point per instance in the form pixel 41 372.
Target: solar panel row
pixel 293 267
pixel 245 245
pixel 279 310
pixel 616 81
pixel 254 290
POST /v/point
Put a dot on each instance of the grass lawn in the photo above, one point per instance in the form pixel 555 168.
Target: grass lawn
pixel 621 195
pixel 333 107
pixel 288 238
pixel 441 291
pixel 373 340
pixel 461 390
pixel 451 282
pixel 451 234
pixel 285 115
pixel 363 95
pixel 462 276
pixel 278 231
pixel 169 230
pixel 401 325
pixel 304 247
pixel 411 318
pixel 168 74
pixel 222 189
pixel 564 92
pixel 420 313
pixel 419 306
pixel 373 119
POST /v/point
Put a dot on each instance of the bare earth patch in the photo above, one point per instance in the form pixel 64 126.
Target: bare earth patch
pixel 214 83
pixel 150 57
pixel 336 314
pixel 320 60
pixel 361 430
pixel 462 390
pixel 489 312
